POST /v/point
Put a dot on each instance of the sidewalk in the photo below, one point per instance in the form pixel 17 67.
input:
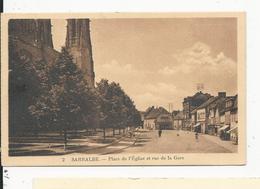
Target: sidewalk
pixel 82 145
pixel 225 144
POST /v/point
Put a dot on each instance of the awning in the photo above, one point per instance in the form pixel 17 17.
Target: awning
pixel 198 124
pixel 232 129
pixel 224 127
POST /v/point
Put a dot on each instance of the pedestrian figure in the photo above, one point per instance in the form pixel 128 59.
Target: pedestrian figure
pixel 196 135
pixel 160 132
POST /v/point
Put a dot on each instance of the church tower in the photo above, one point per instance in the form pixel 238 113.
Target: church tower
pixel 79 45
pixel 36 32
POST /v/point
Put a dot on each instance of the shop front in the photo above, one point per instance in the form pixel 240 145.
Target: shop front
pixel 212 130
pixel 223 132
pixel 233 134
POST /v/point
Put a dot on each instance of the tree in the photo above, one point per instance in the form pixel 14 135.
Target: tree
pixel 73 103
pixel 105 105
pixel 117 110
pixel 40 109
pixel 67 103
pixel 27 81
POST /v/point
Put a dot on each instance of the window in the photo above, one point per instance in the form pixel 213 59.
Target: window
pixel 229 104
pixel 201 115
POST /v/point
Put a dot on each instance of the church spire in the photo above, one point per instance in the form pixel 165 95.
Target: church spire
pixel 79 44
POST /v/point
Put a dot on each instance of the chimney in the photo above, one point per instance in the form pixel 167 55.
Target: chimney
pixel 222 94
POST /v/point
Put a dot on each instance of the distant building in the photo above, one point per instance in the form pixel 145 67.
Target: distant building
pixel 231 109
pixel 216 117
pixel 178 120
pixel 154 118
pixel 203 117
pixel 232 118
pixel 175 112
pixel 164 121
pixel 189 104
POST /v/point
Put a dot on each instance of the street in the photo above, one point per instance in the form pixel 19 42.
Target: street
pixel 171 141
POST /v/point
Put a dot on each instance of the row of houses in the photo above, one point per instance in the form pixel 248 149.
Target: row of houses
pixel 216 116
pixel 202 113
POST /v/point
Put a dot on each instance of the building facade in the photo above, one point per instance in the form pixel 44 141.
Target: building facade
pixel 189 104
pixel 178 121
pixel 216 110
pixel 206 115
pixel 231 116
pixel 157 118
pixel 149 124
pixel 164 122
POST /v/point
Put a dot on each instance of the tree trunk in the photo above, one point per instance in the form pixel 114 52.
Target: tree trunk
pixel 35 130
pixel 104 133
pixel 65 139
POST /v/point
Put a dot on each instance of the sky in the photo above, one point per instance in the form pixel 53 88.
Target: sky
pixel 161 61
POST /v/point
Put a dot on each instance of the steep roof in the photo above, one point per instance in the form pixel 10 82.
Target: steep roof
pixel 148 110
pixel 155 112
pixel 198 94
pixel 207 103
pixel 220 104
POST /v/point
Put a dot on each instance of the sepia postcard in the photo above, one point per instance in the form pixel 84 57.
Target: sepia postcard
pixel 123 89
pixel 153 183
